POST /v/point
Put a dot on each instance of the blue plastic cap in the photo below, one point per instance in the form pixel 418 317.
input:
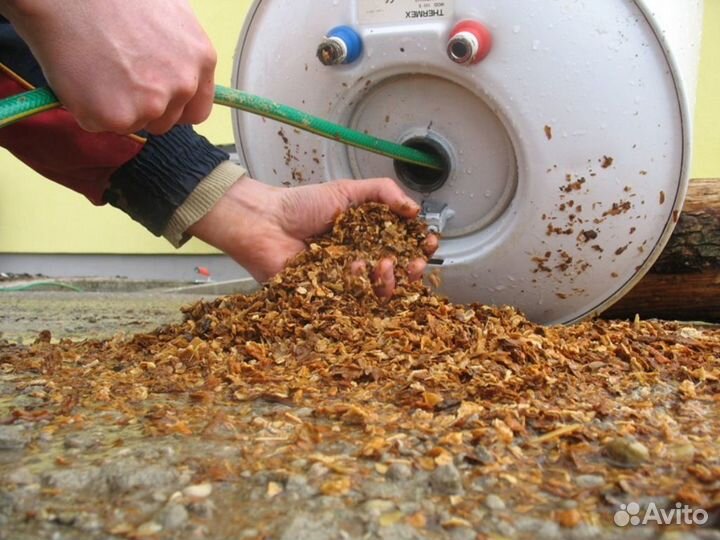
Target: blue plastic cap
pixel 352 40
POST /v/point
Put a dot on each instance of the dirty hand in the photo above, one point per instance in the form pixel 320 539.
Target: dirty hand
pixel 121 65
pixel 262 226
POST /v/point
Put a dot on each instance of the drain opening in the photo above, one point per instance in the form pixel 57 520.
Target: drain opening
pixel 420 178
pixel 460 50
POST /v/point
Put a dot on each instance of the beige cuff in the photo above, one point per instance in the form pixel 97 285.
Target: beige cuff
pixel 201 201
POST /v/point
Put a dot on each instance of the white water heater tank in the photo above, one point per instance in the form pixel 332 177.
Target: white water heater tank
pixel 565 126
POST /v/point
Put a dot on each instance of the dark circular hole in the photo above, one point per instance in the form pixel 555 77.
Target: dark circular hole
pixel 420 178
pixel 328 53
pixel 460 49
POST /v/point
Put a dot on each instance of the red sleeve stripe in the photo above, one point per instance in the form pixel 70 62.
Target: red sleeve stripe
pixel 54 145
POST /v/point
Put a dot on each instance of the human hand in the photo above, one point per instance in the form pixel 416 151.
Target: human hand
pixel 263 227
pixel 121 65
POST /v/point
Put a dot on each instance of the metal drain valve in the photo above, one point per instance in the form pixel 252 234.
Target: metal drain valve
pixel 342 45
pixel 436 215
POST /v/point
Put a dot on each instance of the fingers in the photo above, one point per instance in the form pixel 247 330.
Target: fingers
pixel 155 112
pixel 151 63
pixel 383 278
pixel 96 117
pixel 386 191
pixel 430 245
pixel 192 103
pixel 416 269
pixel 358 268
pixel 198 108
pixel 382 190
pixel 170 117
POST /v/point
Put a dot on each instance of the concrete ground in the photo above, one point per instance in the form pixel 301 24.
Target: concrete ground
pixel 86 315
pixel 82 308
pixel 99 476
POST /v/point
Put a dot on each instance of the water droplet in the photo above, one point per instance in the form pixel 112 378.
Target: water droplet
pixel 516 29
pixel 536 45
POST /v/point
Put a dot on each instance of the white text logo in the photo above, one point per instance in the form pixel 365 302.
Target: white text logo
pixel 631 514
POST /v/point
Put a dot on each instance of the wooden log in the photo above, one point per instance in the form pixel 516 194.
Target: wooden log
pixel 684 284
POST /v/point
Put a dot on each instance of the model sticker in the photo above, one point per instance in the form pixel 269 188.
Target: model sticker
pixel 394 11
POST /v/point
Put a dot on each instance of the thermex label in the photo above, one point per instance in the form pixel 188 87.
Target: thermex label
pixel 394 11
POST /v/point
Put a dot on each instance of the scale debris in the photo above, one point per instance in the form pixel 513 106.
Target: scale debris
pixel 326 393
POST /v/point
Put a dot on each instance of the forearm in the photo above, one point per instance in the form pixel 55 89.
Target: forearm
pixel 22 13
pixel 172 182
pixel 52 143
pixel 165 182
pixel 12 9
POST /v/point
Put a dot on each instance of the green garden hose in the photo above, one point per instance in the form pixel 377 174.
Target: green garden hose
pixel 40 285
pixel 15 108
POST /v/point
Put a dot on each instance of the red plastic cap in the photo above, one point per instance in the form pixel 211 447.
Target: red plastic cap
pixel 481 34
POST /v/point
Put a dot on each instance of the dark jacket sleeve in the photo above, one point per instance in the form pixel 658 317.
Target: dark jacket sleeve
pixel 148 177
pixel 158 180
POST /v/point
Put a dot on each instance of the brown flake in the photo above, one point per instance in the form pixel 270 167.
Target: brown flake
pixel 412 379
